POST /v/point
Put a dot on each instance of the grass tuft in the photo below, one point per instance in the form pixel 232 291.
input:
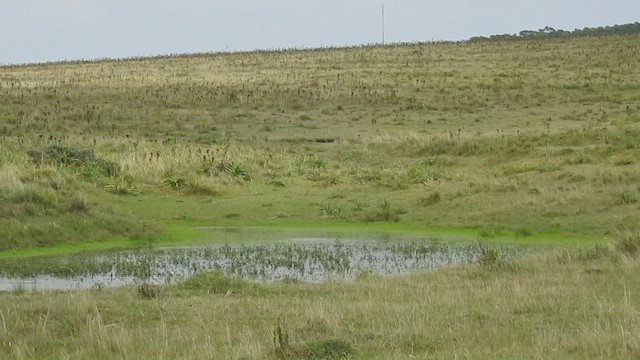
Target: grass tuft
pixel 629 244
pixel 431 199
pixel 385 212
pixel 216 282
pixel 147 291
pixel 329 349
pixel 174 182
pixel 488 255
pixel 31 194
pixel 79 205
pixel 626 198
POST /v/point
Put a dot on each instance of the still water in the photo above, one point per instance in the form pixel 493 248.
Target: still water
pixel 308 259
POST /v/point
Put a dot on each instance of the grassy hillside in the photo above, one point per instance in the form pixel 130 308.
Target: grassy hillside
pixel 507 137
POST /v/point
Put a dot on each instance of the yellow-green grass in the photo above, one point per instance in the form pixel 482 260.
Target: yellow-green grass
pixel 533 136
pixel 571 192
pixel 570 304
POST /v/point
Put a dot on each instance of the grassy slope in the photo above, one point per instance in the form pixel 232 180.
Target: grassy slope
pixel 512 138
pixel 506 140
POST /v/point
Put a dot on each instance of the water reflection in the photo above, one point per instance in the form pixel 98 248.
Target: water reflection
pixel 303 259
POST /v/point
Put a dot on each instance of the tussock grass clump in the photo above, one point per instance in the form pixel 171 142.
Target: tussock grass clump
pixel 385 212
pixel 192 185
pixel 201 187
pixel 628 244
pixel 333 349
pixel 216 282
pixel 276 183
pixel 84 159
pixel 79 204
pixel 62 155
pixel 625 197
pixel 488 255
pixel 147 291
pixel 430 199
pixel 236 171
pixel 597 252
pixel 280 339
pixel 331 209
pixel 123 186
pixel 174 182
pixel 285 348
pixel 31 194
pixel 10 175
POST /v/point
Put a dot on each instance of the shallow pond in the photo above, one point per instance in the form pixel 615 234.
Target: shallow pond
pixel 313 259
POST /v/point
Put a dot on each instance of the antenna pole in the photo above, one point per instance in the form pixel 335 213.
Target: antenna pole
pixel 382 24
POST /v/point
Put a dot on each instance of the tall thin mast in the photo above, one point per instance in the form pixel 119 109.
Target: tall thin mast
pixel 382 24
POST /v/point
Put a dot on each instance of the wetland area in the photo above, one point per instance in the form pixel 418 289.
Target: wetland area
pixel 249 257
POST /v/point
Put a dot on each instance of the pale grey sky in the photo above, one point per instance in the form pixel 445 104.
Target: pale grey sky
pixel 52 30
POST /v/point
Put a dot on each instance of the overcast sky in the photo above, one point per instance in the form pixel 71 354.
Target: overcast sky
pixel 51 30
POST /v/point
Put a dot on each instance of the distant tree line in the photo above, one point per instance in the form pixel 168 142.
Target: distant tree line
pixel 549 32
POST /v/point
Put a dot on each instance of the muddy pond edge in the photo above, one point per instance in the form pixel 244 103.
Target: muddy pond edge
pixel 196 233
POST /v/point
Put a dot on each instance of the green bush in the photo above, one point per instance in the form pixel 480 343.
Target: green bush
pixel 84 159
pixel 174 182
pixel 237 171
pixel 329 349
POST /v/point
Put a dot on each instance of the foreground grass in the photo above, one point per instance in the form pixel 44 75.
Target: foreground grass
pixel 568 304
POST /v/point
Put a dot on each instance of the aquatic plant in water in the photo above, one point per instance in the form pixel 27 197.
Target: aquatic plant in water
pixel 309 260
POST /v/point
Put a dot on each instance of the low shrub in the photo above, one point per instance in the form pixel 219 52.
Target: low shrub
pixel 487 255
pixel 629 244
pixel 84 159
pixel 329 349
